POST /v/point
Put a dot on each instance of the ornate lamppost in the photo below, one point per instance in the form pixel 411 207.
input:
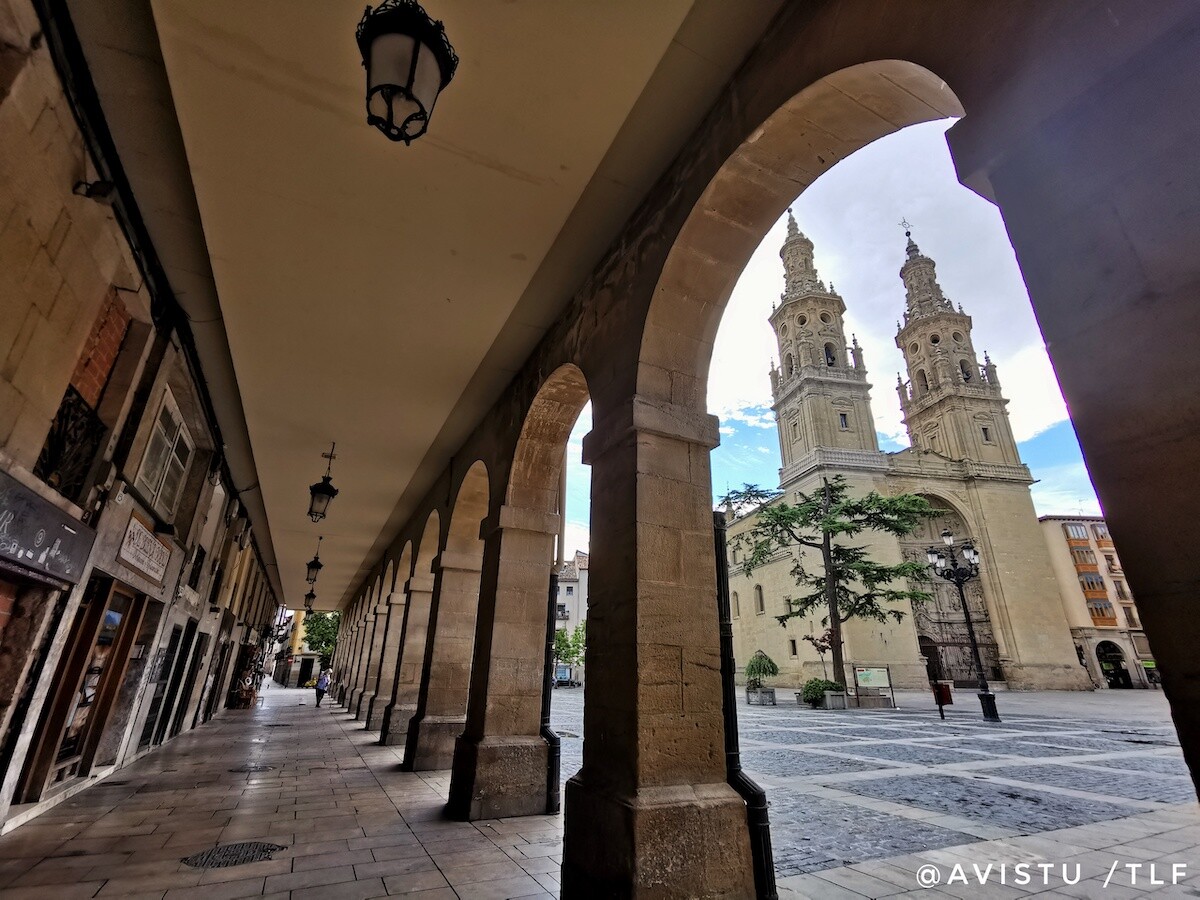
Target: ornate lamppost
pixel 946 564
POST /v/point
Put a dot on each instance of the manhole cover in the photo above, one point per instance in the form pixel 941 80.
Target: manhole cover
pixel 253 768
pixel 232 855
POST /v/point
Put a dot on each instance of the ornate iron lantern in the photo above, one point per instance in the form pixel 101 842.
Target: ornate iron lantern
pixel 323 491
pixel 314 565
pixel 409 61
pixel 309 599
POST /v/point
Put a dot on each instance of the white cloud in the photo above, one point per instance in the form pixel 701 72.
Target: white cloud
pixel 578 537
pixel 1065 490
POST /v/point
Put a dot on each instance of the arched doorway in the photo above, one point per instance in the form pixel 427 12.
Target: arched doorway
pixel 1112 665
pixel 941 625
pixel 933 659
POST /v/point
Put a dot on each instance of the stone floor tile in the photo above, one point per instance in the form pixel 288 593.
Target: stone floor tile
pixel 389 867
pixel 260 869
pixel 505 889
pixel 464 875
pixel 225 890
pixel 313 878
pixel 348 890
pixel 414 882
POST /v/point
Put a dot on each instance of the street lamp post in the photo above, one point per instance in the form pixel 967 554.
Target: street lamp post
pixel 946 564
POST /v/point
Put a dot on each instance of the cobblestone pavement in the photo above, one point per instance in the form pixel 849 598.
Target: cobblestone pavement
pixel 860 802
pixel 850 786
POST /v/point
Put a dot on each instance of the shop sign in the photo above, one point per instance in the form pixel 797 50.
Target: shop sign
pixel 144 551
pixel 35 534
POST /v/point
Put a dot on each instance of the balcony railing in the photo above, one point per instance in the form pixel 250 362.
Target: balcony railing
pixel 1104 621
pixel 71 446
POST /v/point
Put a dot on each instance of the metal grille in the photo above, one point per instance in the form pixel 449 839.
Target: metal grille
pixel 253 767
pixel 232 855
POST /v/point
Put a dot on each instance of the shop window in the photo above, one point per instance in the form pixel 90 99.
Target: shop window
pixel 165 463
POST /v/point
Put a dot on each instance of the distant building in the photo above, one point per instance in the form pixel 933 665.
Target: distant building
pixel 1097 602
pixel 572 606
pixel 963 460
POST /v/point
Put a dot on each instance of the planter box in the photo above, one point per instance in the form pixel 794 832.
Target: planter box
pixel 761 697
pixel 835 699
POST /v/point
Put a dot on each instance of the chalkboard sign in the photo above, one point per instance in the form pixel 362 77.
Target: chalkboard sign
pixel 37 535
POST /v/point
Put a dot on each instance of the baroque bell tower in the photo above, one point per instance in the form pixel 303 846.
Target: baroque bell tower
pixel 821 395
pixel 952 405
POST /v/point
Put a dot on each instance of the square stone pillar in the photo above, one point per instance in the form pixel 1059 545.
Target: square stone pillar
pixel 501 759
pixel 446 677
pixel 1102 203
pixel 378 619
pixel 407 684
pixel 393 628
pixel 650 813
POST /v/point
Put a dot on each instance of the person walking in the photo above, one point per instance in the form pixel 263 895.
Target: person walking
pixel 322 686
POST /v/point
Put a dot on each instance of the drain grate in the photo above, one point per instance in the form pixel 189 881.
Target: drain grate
pixel 279 725
pixel 232 855
pixel 253 767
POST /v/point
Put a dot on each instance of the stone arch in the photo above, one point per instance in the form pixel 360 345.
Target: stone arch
pixel 789 365
pixel 831 355
pixel 414 630
pixel 502 766
pixel 441 711
pixel 922 382
pixel 819 126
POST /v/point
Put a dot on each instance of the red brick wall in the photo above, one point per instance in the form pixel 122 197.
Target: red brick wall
pixel 100 352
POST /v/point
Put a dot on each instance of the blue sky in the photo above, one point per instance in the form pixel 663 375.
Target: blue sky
pixel 852 214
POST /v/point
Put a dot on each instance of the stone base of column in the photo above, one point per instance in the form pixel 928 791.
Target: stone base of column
pixel 363 704
pixel 352 701
pixel 498 777
pixel 376 711
pixel 394 728
pixel 430 743
pixel 673 841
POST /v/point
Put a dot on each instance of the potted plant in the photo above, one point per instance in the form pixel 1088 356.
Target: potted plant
pixel 816 692
pixel 760 666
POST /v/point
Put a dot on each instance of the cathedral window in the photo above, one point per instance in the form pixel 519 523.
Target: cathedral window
pixel 843 421
pixel 760 606
pixel 789 364
pixel 935 339
pixel 792 648
pixel 830 355
pixel 802 321
pixel 965 369
pixel 987 434
pixel 958 338
pixel 796 430
pixel 922 381
pixel 826 318
pixel 733 602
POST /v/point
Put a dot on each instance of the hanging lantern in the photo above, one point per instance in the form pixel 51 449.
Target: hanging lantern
pixel 323 491
pixel 309 599
pixel 409 62
pixel 314 564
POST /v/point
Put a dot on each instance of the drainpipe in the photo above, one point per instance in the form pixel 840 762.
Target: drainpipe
pixel 757 818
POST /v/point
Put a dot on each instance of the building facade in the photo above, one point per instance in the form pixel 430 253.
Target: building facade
pixel 1098 603
pixel 132 592
pixel 963 459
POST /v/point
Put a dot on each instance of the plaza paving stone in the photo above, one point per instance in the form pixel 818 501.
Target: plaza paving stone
pixel 859 799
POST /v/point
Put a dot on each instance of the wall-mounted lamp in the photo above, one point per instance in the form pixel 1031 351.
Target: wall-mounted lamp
pixel 99 190
pixel 323 491
pixel 314 564
pixel 409 61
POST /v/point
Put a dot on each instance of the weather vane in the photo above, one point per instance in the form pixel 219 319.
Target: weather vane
pixel 906 225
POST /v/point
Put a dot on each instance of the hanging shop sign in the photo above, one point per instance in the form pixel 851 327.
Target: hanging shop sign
pixel 37 536
pixel 143 550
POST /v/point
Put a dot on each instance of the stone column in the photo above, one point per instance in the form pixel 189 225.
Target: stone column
pixel 446 677
pixel 1102 204
pixel 407 684
pixel 650 813
pixel 346 673
pixel 500 760
pixel 378 629
pixel 373 625
pixel 366 631
pixel 390 650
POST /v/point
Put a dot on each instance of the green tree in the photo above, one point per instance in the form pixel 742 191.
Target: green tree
pixel 759 668
pixel 843 582
pixel 564 648
pixel 579 642
pixel 320 633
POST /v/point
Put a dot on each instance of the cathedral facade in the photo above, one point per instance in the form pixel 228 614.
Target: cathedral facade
pixel 963 459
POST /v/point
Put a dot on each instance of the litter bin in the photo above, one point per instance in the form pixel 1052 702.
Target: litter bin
pixel 943 696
